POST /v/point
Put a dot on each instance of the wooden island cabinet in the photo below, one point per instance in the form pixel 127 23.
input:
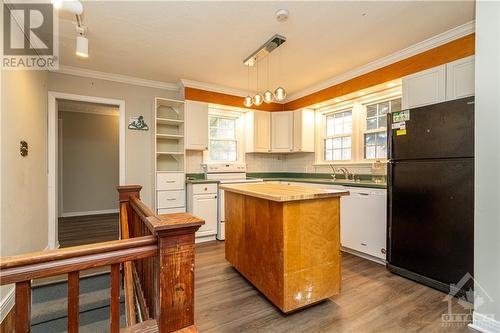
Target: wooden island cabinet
pixel 285 240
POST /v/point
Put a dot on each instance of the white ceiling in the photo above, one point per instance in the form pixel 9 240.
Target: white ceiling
pixel 207 41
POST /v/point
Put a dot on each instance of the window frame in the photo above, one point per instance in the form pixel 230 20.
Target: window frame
pixel 326 137
pixel 359 115
pixel 377 130
pixel 239 137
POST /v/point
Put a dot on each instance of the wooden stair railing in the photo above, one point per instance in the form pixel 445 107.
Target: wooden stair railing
pixel 22 269
pixel 166 282
pixel 161 248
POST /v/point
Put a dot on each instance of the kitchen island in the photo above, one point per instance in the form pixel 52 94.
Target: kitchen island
pixel 285 240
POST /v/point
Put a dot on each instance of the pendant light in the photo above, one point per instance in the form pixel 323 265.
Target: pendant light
pixel 280 92
pixel 257 99
pixel 268 95
pixel 248 100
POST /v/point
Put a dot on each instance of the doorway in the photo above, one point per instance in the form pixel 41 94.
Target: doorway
pixel 86 162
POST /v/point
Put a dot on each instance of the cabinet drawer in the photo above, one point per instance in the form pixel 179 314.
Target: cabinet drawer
pixel 170 199
pixel 205 188
pixel 171 210
pixel 170 181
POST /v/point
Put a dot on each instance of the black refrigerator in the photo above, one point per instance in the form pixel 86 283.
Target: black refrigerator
pixel 430 229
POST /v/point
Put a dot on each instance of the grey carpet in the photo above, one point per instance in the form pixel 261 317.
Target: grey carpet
pixel 49 306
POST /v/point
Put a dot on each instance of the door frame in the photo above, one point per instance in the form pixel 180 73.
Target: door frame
pixel 52 138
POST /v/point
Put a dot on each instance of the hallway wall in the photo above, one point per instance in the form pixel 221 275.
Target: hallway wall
pixel 24 223
pixel 90 158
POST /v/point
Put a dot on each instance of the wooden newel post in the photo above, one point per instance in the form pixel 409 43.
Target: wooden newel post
pixel 176 233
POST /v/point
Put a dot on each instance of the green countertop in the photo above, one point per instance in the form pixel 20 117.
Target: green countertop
pixel 363 183
pixel 314 178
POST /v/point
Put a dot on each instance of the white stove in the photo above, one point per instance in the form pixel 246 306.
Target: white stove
pixel 225 174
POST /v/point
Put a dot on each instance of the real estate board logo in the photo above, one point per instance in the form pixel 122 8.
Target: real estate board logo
pixel 29 36
pixel 463 300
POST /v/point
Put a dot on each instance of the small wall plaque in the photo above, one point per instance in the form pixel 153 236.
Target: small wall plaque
pixel 137 123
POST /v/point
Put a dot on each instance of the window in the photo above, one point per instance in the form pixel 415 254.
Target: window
pixel 375 136
pixel 338 141
pixel 223 139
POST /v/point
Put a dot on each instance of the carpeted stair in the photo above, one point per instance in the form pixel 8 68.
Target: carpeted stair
pixel 49 306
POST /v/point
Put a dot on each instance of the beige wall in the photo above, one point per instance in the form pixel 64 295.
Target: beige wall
pixel 90 163
pixel 24 226
pixel 139 149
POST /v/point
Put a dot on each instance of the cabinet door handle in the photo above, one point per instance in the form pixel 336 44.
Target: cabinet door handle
pixel 364 244
pixel 170 181
pixel 365 194
pixel 171 199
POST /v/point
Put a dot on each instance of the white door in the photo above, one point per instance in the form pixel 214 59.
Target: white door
pixel 460 78
pixel 282 131
pixel 425 87
pixel 303 130
pixel 205 207
pixel 196 123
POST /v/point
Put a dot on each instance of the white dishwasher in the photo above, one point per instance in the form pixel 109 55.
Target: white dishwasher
pixel 363 221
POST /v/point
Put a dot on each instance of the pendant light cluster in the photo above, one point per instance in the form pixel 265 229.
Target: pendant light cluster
pixel 268 96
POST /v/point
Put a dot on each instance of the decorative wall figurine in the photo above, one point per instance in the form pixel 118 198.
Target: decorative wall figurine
pixel 137 123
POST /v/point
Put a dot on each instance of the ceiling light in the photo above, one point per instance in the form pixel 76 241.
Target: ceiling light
pixel 82 46
pixel 280 94
pixel 257 99
pixel 71 6
pixel 391 84
pixel 248 101
pixel 268 97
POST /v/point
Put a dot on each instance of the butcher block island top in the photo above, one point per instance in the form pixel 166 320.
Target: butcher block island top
pixel 285 240
pixel 281 192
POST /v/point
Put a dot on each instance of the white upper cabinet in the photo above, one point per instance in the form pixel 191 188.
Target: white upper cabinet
pixel 282 131
pixel 460 78
pixel 258 131
pixel 196 123
pixel 425 87
pixel 438 84
pixel 303 130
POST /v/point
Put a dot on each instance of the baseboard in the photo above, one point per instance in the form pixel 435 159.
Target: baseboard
pixel 90 212
pixel 7 303
pixel 204 239
pixel 484 323
pixel 363 255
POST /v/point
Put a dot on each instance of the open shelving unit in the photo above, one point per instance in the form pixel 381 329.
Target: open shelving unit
pixel 169 148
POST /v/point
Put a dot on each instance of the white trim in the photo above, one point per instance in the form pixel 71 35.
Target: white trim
pixel 90 212
pixel 7 303
pixel 77 71
pixel 214 88
pixel 366 256
pixel 52 152
pixel 435 41
pixel 484 323
pixel 97 112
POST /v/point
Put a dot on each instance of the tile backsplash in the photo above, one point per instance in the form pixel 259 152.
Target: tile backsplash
pixel 264 162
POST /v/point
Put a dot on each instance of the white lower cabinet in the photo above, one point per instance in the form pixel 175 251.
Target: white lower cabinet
pixel 202 203
pixel 363 221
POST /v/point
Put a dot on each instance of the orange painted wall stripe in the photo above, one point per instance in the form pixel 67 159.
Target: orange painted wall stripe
pixel 457 49
pixel 200 95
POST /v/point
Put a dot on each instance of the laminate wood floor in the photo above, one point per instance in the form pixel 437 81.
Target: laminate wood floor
pixel 81 230
pixel 371 300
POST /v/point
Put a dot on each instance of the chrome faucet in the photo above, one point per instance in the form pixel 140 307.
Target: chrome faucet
pixel 333 175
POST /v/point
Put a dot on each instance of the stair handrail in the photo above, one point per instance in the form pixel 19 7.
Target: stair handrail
pixel 166 282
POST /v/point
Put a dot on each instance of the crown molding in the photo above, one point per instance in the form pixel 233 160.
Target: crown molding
pixel 435 41
pixel 77 71
pixel 214 88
